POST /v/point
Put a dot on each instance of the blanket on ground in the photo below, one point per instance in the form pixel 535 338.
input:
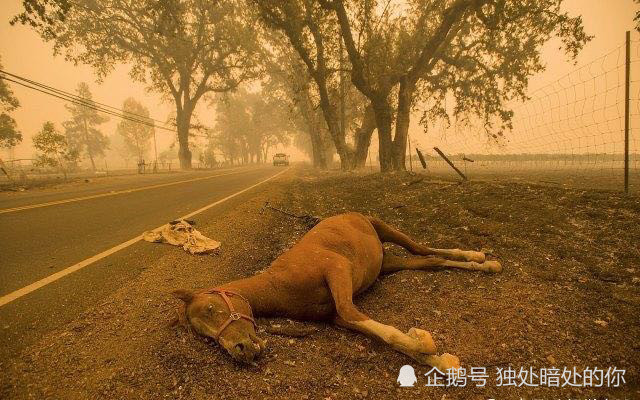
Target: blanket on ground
pixel 182 233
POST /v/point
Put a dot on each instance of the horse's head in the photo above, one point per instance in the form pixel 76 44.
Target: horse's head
pixel 226 317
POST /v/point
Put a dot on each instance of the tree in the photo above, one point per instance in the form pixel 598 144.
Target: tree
pixel 136 135
pixel 312 33
pixel 183 49
pixel 270 122
pixel 291 81
pixel 637 17
pixel 118 145
pixel 54 148
pixel 208 155
pixel 480 52
pixel 248 124
pixel 81 131
pixel 9 134
pixel 232 123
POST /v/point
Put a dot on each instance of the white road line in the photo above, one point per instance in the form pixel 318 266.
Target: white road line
pixel 54 277
pixel 95 196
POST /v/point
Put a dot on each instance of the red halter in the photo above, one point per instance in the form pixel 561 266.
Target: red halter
pixel 233 314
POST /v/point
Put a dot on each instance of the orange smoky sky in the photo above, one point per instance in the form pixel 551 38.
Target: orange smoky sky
pixel 24 53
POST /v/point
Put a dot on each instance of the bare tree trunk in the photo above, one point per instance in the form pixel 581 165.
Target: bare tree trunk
pixel 384 118
pixel 363 136
pixel 317 147
pixel 403 118
pixel 331 117
pixel 183 121
pixel 318 144
pixel 311 118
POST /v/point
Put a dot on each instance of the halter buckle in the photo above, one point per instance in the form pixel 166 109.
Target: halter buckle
pixel 235 316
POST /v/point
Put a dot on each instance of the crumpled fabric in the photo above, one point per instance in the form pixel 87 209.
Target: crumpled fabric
pixel 182 233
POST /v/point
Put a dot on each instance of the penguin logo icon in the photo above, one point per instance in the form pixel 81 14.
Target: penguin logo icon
pixel 407 376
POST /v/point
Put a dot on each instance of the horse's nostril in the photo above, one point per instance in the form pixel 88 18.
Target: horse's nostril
pixel 240 347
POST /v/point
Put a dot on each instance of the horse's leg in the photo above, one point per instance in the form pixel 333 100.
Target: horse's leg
pixel 392 263
pixel 417 343
pixel 386 233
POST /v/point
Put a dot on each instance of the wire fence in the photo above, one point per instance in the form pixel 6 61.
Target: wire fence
pixel 570 131
pixel 26 172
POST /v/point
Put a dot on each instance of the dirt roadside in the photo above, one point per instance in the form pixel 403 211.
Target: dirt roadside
pixel 571 258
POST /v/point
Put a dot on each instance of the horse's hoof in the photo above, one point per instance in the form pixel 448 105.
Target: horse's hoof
pixel 448 361
pixel 492 266
pixel 427 345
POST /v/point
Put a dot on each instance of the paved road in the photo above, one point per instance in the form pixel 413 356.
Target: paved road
pixel 38 242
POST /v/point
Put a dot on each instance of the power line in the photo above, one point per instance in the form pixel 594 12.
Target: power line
pixel 88 105
pixel 66 96
pixel 79 98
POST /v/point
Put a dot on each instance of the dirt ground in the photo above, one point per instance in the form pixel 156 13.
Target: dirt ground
pixel 569 296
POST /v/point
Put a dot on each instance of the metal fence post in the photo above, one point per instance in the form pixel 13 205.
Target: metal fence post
pixel 627 73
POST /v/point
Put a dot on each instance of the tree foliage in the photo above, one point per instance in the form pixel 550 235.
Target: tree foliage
pixel 248 125
pixel 462 59
pixel 137 136
pixel 183 49
pixel 307 65
pixel 81 130
pixel 289 83
pixel 636 17
pixel 53 148
pixel 313 34
pixel 9 134
pixel 208 155
pixel 479 52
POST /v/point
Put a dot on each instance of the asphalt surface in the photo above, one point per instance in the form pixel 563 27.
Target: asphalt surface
pixel 37 242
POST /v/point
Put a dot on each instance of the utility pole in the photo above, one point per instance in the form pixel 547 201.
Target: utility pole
pixel 627 73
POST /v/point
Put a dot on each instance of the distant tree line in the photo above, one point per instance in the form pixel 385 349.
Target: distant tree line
pixel 247 126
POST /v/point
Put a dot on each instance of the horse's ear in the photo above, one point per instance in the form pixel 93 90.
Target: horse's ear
pixel 185 295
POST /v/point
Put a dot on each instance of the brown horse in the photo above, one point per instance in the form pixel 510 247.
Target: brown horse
pixel 316 279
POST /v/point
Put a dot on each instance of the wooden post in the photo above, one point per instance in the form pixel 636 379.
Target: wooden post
pixel 5 170
pixel 421 157
pixel 627 73
pixel 155 151
pixel 450 163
